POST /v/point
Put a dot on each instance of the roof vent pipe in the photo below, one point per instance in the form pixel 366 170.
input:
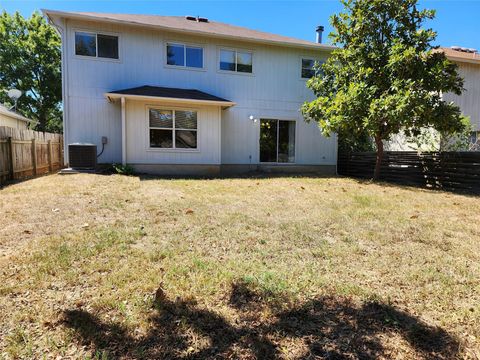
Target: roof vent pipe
pixel 196 18
pixel 319 31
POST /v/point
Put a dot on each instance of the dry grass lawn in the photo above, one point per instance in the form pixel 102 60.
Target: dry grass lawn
pixel 107 267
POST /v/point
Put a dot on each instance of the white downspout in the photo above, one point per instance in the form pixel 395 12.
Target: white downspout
pixel 124 133
pixel 66 96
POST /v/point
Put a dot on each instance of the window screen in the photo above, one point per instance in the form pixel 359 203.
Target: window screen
pixel 107 46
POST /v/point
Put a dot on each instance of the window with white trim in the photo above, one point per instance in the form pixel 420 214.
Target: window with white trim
pixel 236 60
pixel 184 55
pixel 172 129
pixel 96 45
pixel 311 68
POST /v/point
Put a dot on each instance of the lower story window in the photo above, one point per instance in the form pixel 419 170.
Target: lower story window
pixel 172 129
pixel 277 141
pixel 475 141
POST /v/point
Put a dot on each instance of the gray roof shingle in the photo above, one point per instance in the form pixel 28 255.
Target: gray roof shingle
pixel 181 24
pixel 166 92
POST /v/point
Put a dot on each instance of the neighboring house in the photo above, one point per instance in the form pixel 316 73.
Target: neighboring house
pixel 468 61
pixel 188 95
pixel 12 119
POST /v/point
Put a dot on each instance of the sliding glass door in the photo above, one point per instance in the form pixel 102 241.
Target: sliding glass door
pixel 277 141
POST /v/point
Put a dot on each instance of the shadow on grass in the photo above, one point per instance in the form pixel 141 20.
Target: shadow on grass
pixel 329 327
pixel 254 175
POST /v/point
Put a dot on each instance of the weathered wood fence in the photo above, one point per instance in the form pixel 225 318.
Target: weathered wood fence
pixel 438 170
pixel 27 153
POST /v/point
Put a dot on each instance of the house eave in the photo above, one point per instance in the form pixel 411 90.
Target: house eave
pixel 463 60
pixel 115 96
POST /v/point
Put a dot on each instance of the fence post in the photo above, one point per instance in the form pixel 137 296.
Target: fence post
pixel 50 166
pixel 34 156
pixel 12 162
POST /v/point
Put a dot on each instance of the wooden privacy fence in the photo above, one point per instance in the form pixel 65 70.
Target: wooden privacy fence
pixel 26 153
pixel 438 170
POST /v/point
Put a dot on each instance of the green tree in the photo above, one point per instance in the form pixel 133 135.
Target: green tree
pixel 385 76
pixel 30 60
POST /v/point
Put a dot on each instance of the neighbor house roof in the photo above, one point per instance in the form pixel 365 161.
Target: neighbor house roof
pixel 461 56
pixel 181 24
pixel 13 114
pixel 169 94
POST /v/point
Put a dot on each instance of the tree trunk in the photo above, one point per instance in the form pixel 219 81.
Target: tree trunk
pixel 42 123
pixel 378 164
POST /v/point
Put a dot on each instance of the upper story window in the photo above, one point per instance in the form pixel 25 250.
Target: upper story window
pixel 172 129
pixel 308 68
pixel 184 55
pixel 234 60
pixel 96 45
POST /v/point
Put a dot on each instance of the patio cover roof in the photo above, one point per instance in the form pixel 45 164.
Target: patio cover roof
pixel 169 94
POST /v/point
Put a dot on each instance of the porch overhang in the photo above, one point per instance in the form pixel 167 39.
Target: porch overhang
pixel 156 94
pixel 170 95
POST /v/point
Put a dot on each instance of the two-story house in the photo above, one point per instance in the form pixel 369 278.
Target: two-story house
pixel 468 62
pixel 186 95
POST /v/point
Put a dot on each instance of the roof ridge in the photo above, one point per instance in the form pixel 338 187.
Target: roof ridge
pixel 177 23
pixel 184 18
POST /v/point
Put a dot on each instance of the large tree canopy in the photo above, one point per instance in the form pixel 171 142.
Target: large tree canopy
pixel 30 61
pixel 385 76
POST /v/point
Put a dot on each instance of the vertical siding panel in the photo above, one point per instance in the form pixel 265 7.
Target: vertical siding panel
pixel 469 100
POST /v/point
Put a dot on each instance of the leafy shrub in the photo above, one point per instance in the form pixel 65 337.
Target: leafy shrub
pixel 123 169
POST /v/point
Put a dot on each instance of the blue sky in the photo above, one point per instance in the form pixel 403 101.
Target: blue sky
pixel 457 22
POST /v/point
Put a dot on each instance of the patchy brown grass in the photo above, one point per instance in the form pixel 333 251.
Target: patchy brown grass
pixel 96 266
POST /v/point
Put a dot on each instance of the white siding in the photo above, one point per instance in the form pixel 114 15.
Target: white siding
pixel 469 101
pixel 208 137
pixel 240 137
pixel 90 118
pixel 275 89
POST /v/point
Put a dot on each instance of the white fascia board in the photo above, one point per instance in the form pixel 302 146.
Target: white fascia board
pixel 115 96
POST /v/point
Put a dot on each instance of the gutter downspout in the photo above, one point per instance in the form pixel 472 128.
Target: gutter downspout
pixel 124 134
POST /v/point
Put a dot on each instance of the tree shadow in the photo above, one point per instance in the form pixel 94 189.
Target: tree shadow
pixel 328 327
pixel 253 175
pixel 338 329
